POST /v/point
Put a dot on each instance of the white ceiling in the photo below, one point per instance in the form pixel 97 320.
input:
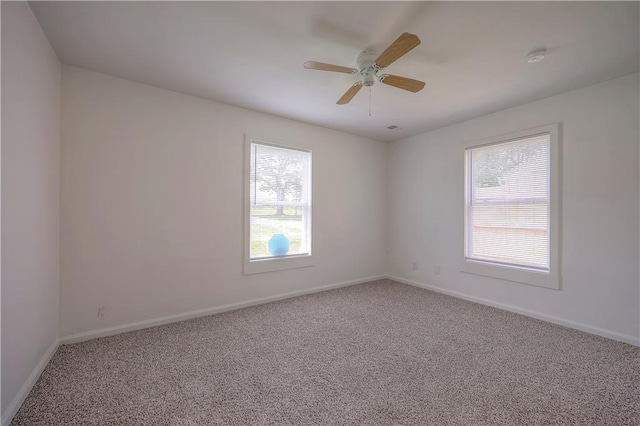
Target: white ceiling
pixel 250 54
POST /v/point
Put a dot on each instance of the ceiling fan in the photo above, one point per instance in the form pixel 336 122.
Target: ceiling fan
pixel 370 65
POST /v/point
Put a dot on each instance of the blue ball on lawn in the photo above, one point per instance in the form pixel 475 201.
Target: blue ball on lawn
pixel 278 245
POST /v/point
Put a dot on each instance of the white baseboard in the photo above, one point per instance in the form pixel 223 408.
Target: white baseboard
pixel 103 332
pixel 15 405
pixel 632 340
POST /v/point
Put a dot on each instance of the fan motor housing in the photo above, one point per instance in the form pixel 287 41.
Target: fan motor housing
pixel 366 59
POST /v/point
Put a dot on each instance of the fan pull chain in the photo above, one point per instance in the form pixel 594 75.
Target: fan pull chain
pixel 369 101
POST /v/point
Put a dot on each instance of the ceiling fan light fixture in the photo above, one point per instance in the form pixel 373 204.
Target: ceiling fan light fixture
pixel 368 80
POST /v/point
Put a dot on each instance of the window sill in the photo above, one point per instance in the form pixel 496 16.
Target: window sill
pixel 277 264
pixel 519 275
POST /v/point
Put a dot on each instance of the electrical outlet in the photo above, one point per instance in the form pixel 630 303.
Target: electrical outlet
pixel 436 269
pixel 101 312
pixel 414 266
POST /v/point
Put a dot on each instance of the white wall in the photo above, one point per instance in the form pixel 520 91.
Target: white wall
pixel 599 192
pixel 30 196
pixel 152 185
pixel 151 204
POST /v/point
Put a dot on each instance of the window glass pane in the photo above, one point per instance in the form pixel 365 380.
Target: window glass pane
pixel 508 203
pixel 280 215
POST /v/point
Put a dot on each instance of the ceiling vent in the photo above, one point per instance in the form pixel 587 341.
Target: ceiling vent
pixel 536 56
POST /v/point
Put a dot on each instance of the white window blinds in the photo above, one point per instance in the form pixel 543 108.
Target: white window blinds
pixel 507 203
pixel 280 202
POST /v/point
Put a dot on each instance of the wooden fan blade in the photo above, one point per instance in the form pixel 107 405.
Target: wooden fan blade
pixel 398 48
pixel 312 65
pixel 349 94
pixel 403 83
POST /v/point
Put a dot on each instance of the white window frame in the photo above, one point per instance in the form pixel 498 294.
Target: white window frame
pixel 270 264
pixel 550 279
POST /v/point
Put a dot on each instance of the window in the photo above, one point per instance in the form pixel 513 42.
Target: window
pixel 278 225
pixel 511 208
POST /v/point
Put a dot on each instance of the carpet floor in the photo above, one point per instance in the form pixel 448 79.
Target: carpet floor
pixel 380 353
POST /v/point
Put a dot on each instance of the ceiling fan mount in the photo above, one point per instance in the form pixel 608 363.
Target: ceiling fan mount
pixel 370 64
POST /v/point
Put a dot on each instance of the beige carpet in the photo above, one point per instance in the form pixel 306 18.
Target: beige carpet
pixel 380 353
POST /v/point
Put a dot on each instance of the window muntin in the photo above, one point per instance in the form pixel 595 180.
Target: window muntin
pixel 507 209
pixel 279 202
